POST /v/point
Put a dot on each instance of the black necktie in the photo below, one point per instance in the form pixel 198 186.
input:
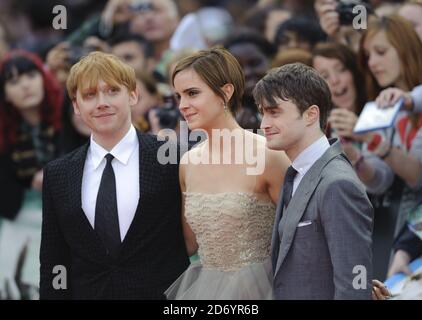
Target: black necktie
pixel 106 217
pixel 288 185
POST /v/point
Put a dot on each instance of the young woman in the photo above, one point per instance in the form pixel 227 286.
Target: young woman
pixel 228 212
pixel 337 64
pixel 390 51
pixel 30 107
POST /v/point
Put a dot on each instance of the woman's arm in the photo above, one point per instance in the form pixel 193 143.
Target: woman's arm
pixel 375 174
pixel 190 238
pixel 410 172
pixel 412 101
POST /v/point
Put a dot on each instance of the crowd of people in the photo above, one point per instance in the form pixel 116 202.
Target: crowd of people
pixel 181 52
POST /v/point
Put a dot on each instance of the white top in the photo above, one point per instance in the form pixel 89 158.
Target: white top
pixel 126 170
pixel 307 158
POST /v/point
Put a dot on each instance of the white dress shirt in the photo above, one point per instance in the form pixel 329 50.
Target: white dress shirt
pixel 307 158
pixel 126 170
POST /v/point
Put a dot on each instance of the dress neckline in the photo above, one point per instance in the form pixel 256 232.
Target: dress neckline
pixel 249 195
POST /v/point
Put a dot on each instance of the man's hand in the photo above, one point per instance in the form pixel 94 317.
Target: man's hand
pixel 379 291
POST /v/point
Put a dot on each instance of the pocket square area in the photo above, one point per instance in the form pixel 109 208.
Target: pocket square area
pixel 304 223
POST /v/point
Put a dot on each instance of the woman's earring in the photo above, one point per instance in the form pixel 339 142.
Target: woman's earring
pixel 226 110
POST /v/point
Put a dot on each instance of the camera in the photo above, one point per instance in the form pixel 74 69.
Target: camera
pixel 168 114
pixel 345 10
pixel 141 6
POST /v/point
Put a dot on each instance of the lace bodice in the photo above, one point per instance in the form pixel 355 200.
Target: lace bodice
pixel 232 229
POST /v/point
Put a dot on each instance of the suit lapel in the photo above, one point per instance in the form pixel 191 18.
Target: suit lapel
pixel 76 170
pixel 81 227
pixel 76 167
pixel 291 217
pixel 287 226
pixel 275 240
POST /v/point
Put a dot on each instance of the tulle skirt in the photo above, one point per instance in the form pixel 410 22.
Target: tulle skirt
pixel 251 282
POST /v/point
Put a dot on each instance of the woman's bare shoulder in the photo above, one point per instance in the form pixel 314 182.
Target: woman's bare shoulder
pixel 195 151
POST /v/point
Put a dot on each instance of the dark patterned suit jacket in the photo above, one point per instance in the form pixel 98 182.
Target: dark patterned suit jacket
pixel 152 254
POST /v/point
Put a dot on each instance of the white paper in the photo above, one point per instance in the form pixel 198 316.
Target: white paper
pixel 373 118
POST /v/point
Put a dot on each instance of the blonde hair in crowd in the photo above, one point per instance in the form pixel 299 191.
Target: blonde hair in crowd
pixel 99 65
pixel 402 36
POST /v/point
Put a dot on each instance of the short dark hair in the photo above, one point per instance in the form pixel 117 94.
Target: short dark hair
pixel 306 28
pixel 247 35
pixel 216 67
pixel 122 37
pixel 298 83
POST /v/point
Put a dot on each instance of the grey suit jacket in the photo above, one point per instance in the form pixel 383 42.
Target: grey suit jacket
pixel 322 243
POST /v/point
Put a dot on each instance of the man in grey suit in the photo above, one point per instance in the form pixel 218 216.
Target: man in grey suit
pixel 321 244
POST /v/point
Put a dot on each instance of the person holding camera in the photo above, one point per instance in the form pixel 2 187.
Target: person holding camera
pixel 156 20
pixel 336 18
pixel 65 54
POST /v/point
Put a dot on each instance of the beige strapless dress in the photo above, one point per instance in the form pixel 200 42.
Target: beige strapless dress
pixel 233 231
